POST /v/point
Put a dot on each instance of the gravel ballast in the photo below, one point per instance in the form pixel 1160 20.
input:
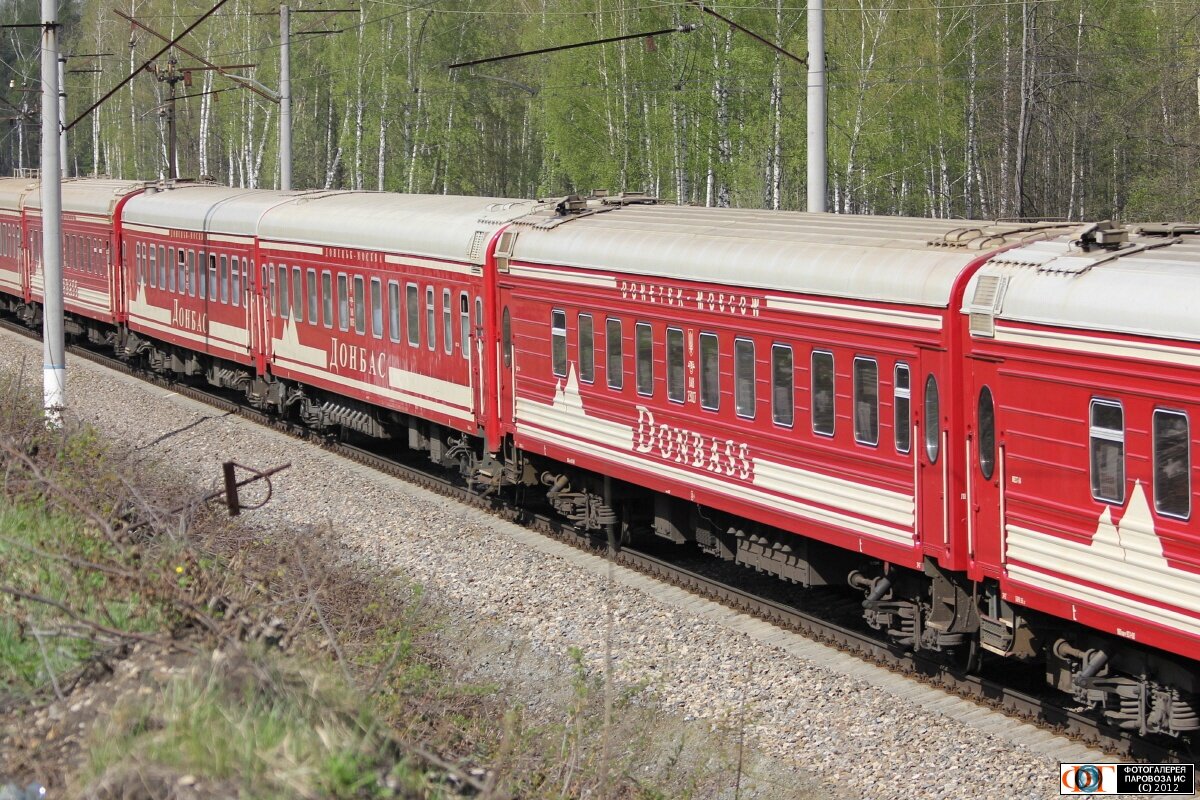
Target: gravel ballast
pixel 810 729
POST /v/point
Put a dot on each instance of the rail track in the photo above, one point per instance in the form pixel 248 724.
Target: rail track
pixel 1029 706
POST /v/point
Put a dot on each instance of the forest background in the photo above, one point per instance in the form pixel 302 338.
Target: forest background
pixel 1084 109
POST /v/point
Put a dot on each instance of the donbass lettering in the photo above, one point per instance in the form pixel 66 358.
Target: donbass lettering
pixel 683 446
pixel 188 318
pixel 353 358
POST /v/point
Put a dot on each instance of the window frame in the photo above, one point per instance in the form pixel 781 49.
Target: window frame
pixel 900 395
pixel 855 388
pixel 611 323
pixel 709 336
pixel 559 362
pixel 738 341
pixel 447 322
pixel 812 362
pixel 298 293
pixel 643 355
pixel 1187 452
pixel 676 393
pixel 791 388
pixel 987 466
pixel 1101 434
pixel 377 307
pixel 394 333
pixel 464 324
pixel 328 299
pixel 431 318
pixel 412 313
pixel 343 302
pixel 933 428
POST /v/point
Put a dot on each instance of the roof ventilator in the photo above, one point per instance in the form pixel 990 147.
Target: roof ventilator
pixel 1102 236
pixel 985 304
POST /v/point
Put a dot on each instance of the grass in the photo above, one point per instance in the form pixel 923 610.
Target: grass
pixel 42 550
pixel 293 674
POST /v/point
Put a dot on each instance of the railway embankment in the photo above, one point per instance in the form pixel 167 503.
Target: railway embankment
pixel 706 702
pixel 153 646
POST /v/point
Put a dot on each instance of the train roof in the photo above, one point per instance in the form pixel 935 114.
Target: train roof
pixel 885 259
pixel 13 191
pixel 205 207
pixel 98 196
pixel 433 226
pixel 1147 286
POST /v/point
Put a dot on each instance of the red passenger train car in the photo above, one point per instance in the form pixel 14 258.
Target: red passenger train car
pixel 984 428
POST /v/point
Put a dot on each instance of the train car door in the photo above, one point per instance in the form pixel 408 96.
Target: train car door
pixel 985 467
pixel 476 355
pixel 258 304
pixel 928 395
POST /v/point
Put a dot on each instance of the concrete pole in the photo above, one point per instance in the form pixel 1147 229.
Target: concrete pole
pixel 54 368
pixel 62 114
pixel 816 105
pixel 285 98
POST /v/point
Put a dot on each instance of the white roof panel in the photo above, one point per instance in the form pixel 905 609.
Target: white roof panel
pixel 1148 287
pixel 205 207
pixel 13 191
pixel 885 259
pixel 97 196
pixel 435 226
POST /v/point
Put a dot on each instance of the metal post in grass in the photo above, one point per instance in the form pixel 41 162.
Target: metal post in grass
pixel 54 376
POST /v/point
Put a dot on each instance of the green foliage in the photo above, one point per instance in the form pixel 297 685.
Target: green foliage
pixel 1073 108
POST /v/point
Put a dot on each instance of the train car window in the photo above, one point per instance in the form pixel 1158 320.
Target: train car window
pixel 933 419
pixel 191 273
pixel 1107 445
pixel 710 372
pixel 430 318
pixel 744 400
pixel 153 266
pixel 236 280
pixel 1172 464
pixel 447 322
pixel 141 259
pixel 377 308
pixel 479 313
pixel 171 268
pixel 413 313
pixel 675 366
pixel 558 342
pixel 360 306
pixel 903 408
pixel 643 339
pixel 343 291
pixel 822 393
pixel 783 400
pixel 196 272
pixel 394 311
pixel 506 337
pixel 285 292
pixel 214 284
pixel 587 349
pixel 614 365
pixel 164 268
pixel 866 401
pixel 314 302
pixel 224 278
pixel 297 294
pixel 326 298
pixel 269 277
pixel 464 324
pixel 987 433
